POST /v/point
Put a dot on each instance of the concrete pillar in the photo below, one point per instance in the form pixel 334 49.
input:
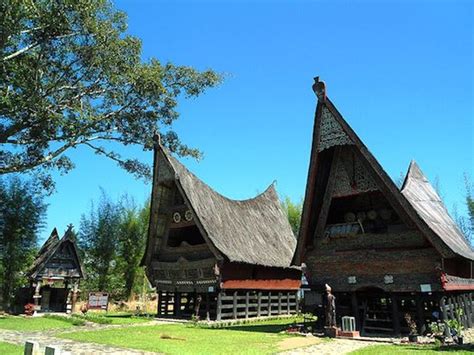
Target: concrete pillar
pixel 52 350
pixel 31 348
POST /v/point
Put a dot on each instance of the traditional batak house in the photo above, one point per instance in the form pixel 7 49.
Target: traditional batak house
pixel 214 257
pixel 56 273
pixel 384 251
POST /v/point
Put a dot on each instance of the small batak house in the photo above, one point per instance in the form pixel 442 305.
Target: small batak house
pixel 384 251
pixel 56 273
pixel 215 257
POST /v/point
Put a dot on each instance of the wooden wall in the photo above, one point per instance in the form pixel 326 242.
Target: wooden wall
pixel 369 257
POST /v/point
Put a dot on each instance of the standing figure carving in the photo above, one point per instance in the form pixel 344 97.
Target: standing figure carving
pixel 330 307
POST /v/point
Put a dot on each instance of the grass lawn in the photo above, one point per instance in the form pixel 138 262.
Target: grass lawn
pixel 255 338
pixel 410 349
pixel 124 318
pixel 32 323
pixel 10 349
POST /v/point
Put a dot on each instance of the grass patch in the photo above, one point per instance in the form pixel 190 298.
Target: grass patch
pixel 412 350
pixel 10 349
pixel 32 323
pixel 72 320
pixel 114 318
pixel 255 338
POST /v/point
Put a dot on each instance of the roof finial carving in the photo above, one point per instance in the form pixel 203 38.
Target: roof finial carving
pixel 319 88
pixel 156 138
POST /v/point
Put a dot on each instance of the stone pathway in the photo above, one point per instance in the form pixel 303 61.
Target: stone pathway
pixel 67 346
pixel 335 346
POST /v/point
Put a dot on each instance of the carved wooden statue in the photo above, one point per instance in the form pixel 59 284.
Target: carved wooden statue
pixel 330 308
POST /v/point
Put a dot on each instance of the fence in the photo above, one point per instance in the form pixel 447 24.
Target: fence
pixel 450 306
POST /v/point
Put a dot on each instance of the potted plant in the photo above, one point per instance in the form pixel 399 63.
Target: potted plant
pixel 413 335
pixel 29 309
pixel 456 329
pixel 438 330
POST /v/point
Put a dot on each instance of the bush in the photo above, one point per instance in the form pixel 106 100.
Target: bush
pixel 94 318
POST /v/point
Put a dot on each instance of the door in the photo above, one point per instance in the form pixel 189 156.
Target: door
pixel 46 296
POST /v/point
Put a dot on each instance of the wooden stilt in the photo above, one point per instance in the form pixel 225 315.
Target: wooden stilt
pixel 395 315
pixel 355 310
pixel 247 304
pixel 177 304
pixel 234 308
pixel 259 304
pixel 219 306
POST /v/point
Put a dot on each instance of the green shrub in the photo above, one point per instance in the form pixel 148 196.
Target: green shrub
pixel 94 318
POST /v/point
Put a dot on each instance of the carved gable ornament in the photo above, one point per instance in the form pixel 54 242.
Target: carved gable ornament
pixel 331 133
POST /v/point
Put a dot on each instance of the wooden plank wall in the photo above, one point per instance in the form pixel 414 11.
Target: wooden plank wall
pixel 246 304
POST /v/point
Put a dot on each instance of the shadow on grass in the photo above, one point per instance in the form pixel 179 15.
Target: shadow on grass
pixel 443 348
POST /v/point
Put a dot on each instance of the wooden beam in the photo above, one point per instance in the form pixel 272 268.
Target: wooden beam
pixel 323 215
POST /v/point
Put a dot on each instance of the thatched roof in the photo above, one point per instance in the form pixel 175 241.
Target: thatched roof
pixel 253 231
pixel 50 246
pixel 421 209
pixel 429 207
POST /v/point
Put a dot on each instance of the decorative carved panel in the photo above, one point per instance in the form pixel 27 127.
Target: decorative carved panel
pixel 331 132
pixel 351 176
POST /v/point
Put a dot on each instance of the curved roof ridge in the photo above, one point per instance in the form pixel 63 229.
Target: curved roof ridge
pixel 254 231
pixel 176 163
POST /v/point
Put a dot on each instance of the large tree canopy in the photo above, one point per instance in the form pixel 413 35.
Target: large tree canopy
pixel 70 76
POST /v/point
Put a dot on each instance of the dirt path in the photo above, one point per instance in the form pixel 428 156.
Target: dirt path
pixel 335 346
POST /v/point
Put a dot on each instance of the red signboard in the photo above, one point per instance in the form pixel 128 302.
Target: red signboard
pixel 98 300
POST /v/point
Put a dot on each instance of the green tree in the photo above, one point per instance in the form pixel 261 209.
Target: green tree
pixel 466 223
pixel 99 241
pixel 293 212
pixel 132 239
pixel 22 213
pixel 71 76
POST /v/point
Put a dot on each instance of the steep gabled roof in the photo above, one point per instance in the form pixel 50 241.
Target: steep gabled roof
pixel 330 129
pixel 50 246
pixel 429 207
pixel 253 231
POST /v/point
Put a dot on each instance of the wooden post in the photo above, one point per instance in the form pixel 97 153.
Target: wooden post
pixel 234 308
pixel 419 312
pixel 219 306
pixel 395 315
pixel 467 311
pixel 259 303
pixel 442 304
pixel 288 310
pixel 279 303
pixel 355 310
pixel 160 300
pixel 269 304
pixel 177 304
pixel 246 304
pixel 208 318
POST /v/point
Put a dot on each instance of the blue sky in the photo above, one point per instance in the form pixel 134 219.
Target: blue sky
pixel 401 73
